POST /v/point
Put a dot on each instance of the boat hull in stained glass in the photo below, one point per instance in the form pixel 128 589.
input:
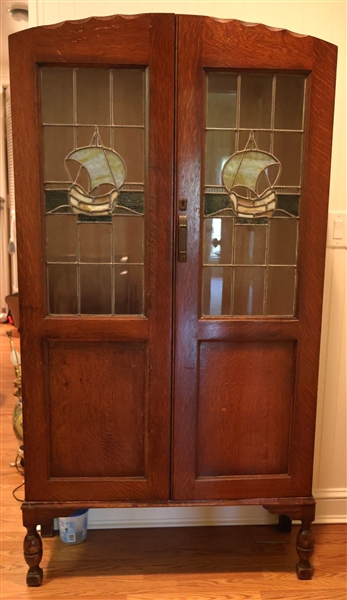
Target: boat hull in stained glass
pixel 81 202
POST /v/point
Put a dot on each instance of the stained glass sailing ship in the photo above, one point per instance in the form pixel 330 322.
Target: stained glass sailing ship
pixel 249 176
pixel 106 172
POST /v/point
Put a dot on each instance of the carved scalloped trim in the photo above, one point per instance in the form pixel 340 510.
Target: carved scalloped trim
pixel 260 26
pixel 87 19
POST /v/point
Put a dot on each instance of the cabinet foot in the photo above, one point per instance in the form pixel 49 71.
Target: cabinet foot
pixel 305 548
pixel 47 529
pixel 33 556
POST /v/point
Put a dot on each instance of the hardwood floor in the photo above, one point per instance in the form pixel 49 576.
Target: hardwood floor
pixel 192 563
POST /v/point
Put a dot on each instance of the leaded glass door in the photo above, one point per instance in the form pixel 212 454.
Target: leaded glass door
pixel 94 196
pixel 250 201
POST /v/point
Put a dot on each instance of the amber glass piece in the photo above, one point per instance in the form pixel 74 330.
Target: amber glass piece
pixel 57 143
pixel 287 149
pixel 130 144
pixel 248 290
pixel 95 242
pixel 95 282
pixel 250 244
pixel 62 289
pixel 129 289
pixel 57 95
pixel 289 114
pixel 93 96
pixel 218 237
pixel 128 96
pixel 216 290
pixel 128 235
pixel 282 241
pixel 221 99
pixel 280 291
pixel 256 93
pixel 61 236
pixel 219 147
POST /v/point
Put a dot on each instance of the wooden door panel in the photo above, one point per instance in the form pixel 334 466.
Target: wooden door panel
pixel 202 381
pixel 117 367
pixel 97 409
pixel 244 408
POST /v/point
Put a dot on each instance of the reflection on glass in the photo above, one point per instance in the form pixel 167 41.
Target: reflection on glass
pixel 280 291
pixel 289 101
pixel 56 99
pixel 57 143
pixel 95 242
pixel 62 289
pixel 128 239
pixel 249 290
pixel 129 143
pixel 219 146
pixel 250 244
pixel 61 234
pixel 287 148
pixel 128 97
pixel 128 289
pixel 221 100
pixel 216 290
pixel 93 96
pixel 95 281
pixel 256 93
pixel 282 241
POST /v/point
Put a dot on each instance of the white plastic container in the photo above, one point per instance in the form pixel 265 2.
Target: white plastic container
pixel 73 529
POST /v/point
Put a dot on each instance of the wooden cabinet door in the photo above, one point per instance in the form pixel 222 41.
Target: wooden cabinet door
pixel 254 121
pixel 95 98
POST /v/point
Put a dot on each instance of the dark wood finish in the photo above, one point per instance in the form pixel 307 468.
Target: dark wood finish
pixel 97 390
pixel 284 524
pixel 47 529
pixel 143 40
pixel 205 43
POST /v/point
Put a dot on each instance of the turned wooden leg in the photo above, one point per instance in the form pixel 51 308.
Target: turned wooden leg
pixel 33 556
pixel 305 548
pixel 284 524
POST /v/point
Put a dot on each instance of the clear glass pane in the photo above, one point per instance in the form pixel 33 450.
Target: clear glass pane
pixel 218 238
pixel 287 149
pixel 95 281
pixel 221 99
pixel 95 242
pixel 256 93
pixel 220 145
pixel 216 290
pixel 56 95
pixel 282 241
pixel 57 143
pixel 85 135
pixel 61 236
pixel 128 239
pixel 129 282
pixel 249 290
pixel 128 97
pixel 93 96
pixel 280 291
pixel 289 101
pixel 250 244
pixel 129 143
pixel 62 289
pixel 262 139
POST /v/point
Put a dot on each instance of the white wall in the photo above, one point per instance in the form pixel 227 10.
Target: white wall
pixel 326 20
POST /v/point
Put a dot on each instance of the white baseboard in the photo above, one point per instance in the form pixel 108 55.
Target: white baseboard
pixel 331 508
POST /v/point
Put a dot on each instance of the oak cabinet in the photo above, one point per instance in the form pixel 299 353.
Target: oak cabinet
pixel 172 178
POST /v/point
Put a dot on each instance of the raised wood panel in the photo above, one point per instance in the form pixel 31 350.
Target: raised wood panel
pixel 97 409
pixel 244 408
